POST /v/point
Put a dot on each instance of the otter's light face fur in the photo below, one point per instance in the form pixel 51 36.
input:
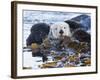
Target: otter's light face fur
pixel 59 28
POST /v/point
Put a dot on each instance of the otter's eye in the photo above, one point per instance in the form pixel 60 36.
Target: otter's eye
pixel 64 27
pixel 55 28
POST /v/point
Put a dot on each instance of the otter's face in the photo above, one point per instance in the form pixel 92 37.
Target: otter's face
pixel 60 28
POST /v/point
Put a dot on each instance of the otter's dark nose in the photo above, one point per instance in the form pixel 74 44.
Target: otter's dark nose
pixel 61 31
